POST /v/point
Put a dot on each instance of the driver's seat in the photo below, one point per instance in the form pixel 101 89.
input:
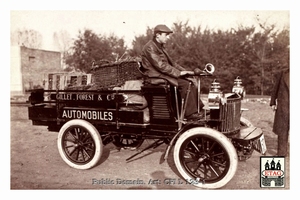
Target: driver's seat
pixel 151 80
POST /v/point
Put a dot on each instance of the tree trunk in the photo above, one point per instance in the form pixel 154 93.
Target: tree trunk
pixel 262 79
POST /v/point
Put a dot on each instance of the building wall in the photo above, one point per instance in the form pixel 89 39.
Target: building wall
pixel 35 65
pixel 15 71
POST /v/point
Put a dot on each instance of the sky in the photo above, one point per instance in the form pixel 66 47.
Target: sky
pixel 128 24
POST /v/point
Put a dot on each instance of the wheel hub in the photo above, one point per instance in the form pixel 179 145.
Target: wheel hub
pixel 78 144
pixel 203 158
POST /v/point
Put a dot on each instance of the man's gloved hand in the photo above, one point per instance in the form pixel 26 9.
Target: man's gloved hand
pixel 189 78
pixel 184 73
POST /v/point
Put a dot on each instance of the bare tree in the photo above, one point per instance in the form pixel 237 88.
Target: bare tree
pixel 62 40
pixel 26 37
pixel 262 49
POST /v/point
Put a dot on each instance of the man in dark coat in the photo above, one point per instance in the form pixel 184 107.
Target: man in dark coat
pixel 158 64
pixel 280 102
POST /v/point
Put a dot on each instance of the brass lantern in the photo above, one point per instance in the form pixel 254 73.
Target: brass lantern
pixel 214 95
pixel 238 88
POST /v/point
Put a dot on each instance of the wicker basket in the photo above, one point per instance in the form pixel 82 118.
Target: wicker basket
pixel 109 75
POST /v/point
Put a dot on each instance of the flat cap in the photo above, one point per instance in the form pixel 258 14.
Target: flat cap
pixel 162 28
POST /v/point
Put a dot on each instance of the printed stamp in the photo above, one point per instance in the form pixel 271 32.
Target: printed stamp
pixel 272 171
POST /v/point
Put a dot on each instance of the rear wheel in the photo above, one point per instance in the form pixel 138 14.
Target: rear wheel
pixel 205 158
pixel 79 144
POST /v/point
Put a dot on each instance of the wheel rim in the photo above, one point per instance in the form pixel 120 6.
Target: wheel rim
pixel 204 159
pixel 78 145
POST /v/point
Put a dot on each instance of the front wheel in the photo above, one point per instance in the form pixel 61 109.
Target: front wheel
pixel 79 144
pixel 205 158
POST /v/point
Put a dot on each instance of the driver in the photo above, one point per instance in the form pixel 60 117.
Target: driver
pixel 158 64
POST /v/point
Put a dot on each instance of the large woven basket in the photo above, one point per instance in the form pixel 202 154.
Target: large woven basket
pixel 114 74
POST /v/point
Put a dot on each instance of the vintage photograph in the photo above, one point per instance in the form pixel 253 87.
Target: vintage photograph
pixel 150 99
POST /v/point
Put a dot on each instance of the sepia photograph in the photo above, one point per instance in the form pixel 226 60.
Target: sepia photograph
pixel 143 99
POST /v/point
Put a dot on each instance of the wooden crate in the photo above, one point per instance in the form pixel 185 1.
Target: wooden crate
pixel 61 81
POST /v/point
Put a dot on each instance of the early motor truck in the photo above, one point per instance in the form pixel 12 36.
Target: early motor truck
pixel 206 151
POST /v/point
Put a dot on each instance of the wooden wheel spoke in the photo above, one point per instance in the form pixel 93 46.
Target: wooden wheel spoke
pixel 72 151
pixel 76 132
pixel 218 154
pixel 211 147
pixel 89 142
pixel 72 145
pixel 195 146
pixel 89 148
pixel 218 163
pixel 86 153
pixel 205 172
pixel 196 168
pixel 77 156
pixel 70 133
pixel 69 140
pixel 82 154
pixel 214 170
pixel 202 145
pixel 86 137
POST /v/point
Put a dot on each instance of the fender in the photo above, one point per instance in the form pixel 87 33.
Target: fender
pixel 180 132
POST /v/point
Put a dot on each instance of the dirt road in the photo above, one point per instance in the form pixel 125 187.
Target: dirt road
pixel 36 164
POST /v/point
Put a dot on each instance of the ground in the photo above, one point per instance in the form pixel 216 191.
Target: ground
pixel 36 163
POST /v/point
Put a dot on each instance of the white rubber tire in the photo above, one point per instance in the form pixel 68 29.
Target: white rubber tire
pixel 222 140
pixel 95 136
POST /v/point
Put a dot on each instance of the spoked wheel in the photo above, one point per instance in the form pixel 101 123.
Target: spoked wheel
pixel 127 141
pixel 79 144
pixel 205 158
